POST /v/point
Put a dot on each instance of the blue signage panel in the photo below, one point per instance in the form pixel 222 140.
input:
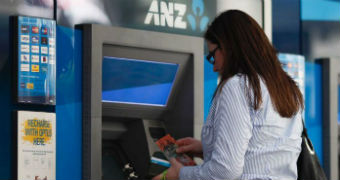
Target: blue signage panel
pixel 188 17
pixel 36 56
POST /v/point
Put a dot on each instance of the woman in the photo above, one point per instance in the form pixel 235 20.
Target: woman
pixel 254 126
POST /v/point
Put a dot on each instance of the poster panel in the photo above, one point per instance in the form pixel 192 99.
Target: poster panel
pixel 36 145
pixel 294 65
pixel 36 60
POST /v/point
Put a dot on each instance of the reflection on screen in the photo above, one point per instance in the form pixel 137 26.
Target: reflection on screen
pixel 137 81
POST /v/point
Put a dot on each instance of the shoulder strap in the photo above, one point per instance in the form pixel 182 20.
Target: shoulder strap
pixel 304 131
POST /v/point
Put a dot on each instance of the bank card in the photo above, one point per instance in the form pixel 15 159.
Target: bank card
pixel 168 146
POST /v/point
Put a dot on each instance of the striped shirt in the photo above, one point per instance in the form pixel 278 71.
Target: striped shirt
pixel 242 143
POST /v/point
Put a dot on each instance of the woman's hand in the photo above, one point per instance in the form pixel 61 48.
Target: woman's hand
pixel 173 171
pixel 190 146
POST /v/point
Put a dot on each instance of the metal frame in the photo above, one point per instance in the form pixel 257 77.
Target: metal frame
pixel 94 37
pixel 330 74
pixel 267 19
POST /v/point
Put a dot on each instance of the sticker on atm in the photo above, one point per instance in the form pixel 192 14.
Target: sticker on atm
pixel 25 57
pixel 35 68
pixel 44 50
pixel 35 49
pixel 29 85
pixel 35 58
pixel 35 39
pixel 44 40
pixel 25 48
pixel 25 68
pixel 25 28
pixel 35 29
pixel 25 38
pixel 44 30
pixel 44 59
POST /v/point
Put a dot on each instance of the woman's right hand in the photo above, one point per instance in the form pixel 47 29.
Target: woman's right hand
pixel 190 146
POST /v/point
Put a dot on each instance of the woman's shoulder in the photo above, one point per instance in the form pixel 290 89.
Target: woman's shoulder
pixel 234 84
pixel 236 81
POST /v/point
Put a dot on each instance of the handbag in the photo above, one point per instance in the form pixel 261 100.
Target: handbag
pixel 308 164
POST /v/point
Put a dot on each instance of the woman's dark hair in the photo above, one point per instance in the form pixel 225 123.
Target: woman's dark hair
pixel 247 50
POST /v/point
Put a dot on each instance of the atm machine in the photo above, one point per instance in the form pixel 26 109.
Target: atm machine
pixel 137 87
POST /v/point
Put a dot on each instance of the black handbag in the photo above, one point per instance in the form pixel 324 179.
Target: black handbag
pixel 308 164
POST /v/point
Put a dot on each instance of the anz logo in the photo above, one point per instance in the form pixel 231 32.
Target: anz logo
pixel 175 15
pixel 163 14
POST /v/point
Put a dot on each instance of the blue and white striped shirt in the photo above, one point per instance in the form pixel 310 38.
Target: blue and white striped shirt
pixel 242 143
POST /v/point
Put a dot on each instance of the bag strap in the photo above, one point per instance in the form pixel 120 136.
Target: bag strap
pixel 305 135
pixel 304 131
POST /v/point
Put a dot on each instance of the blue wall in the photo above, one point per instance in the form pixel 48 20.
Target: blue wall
pixel 69 104
pixel 210 84
pixel 313 105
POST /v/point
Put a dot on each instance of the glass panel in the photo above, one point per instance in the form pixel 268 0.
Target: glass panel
pixel 36 60
pixel 137 81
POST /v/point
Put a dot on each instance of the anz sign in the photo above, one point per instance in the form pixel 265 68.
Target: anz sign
pixel 164 15
pixel 177 15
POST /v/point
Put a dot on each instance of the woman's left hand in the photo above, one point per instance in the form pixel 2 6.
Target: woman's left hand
pixel 173 171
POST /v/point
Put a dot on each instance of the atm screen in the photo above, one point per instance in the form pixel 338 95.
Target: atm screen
pixel 135 81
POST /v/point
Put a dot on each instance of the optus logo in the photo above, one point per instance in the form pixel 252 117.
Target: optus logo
pixel 169 14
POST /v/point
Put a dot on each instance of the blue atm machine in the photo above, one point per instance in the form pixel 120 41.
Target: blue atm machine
pixel 137 87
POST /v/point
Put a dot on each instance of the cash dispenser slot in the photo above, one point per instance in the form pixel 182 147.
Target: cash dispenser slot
pixel 129 150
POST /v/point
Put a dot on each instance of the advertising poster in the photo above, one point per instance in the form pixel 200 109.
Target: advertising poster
pixel 36 52
pixel 36 145
pixel 294 65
